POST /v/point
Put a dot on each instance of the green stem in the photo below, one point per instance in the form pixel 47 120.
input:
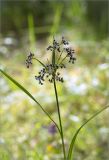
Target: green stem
pixel 58 108
pixel 39 62
pixel 53 57
pixel 60 56
pixel 59 115
pixel 63 59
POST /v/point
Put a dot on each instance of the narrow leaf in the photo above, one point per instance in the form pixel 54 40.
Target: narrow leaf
pixel 69 157
pixel 25 91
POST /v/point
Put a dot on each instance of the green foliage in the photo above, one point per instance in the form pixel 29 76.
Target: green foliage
pixel 97 15
pixel 47 16
pixel 23 126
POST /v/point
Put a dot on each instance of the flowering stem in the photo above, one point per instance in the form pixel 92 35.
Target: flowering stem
pixel 60 123
pixel 63 59
pixel 53 57
pixel 60 55
pixel 39 62
pixel 58 108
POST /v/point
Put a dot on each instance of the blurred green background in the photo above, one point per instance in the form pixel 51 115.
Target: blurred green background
pixel 29 25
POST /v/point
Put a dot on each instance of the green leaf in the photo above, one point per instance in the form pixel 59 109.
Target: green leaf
pixel 25 91
pixel 70 151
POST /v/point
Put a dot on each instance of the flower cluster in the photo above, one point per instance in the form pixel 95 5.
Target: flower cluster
pixel 51 70
pixel 29 60
pixel 64 41
pixel 70 54
pixel 56 46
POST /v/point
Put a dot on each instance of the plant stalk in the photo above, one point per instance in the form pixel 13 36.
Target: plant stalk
pixel 58 108
pixel 60 123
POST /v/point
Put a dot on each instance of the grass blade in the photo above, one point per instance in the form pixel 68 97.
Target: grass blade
pixel 70 151
pixel 25 91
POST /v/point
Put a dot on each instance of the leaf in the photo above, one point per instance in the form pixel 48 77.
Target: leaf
pixel 70 151
pixel 25 91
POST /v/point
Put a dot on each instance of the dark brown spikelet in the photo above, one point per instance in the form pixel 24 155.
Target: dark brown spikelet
pixel 29 60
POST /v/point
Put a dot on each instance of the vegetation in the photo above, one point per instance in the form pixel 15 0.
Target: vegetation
pixel 24 134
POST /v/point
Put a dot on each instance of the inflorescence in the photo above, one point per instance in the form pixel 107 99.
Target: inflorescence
pixel 51 71
pixel 29 60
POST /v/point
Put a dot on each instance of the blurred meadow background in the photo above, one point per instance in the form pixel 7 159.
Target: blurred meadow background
pixel 29 25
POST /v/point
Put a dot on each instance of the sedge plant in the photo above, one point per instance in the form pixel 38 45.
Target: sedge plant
pixel 51 72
